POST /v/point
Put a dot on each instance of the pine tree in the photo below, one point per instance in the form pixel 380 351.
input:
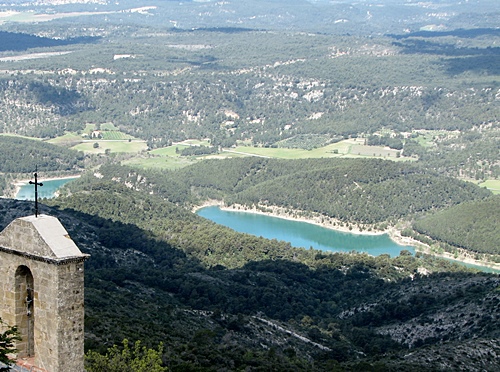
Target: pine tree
pixel 7 347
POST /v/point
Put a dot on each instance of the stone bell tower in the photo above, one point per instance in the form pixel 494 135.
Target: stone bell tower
pixel 41 291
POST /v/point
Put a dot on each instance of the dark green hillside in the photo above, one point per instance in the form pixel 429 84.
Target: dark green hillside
pixel 366 192
pixel 474 225
pixel 356 191
pixel 352 190
pixel 14 41
pixel 305 311
pixel 21 155
pixel 207 242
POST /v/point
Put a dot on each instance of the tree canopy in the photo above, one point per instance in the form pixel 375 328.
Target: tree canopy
pixel 8 336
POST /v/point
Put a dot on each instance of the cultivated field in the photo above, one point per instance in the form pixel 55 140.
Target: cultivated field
pixel 135 146
pixel 347 148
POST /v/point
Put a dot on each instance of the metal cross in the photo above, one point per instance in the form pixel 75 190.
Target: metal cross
pixel 36 183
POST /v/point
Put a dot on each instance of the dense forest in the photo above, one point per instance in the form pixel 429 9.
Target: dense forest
pixel 225 87
pixel 354 191
pixel 261 304
pixel 472 225
pixel 22 155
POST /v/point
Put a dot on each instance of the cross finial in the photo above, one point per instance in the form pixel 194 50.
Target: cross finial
pixel 36 183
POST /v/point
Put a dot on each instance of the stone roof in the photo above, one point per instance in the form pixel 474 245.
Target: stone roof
pixel 43 236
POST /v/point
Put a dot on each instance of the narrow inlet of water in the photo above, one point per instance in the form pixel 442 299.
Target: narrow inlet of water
pixel 48 190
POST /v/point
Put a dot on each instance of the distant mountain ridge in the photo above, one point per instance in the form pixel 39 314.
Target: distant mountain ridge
pixel 368 17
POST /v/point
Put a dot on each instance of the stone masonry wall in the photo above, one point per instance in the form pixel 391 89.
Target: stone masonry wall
pixel 58 301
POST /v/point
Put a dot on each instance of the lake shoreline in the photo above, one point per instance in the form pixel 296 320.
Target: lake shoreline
pixel 19 183
pixel 334 224
pixel 326 222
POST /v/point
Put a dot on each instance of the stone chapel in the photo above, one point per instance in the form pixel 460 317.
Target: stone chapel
pixel 41 291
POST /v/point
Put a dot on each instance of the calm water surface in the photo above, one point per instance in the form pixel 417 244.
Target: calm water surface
pixel 303 234
pixel 48 190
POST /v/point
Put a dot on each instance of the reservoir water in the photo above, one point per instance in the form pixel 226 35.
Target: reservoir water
pixel 303 234
pixel 48 190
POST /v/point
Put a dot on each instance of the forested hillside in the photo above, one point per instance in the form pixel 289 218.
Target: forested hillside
pixel 473 225
pixel 262 304
pixel 354 191
pixel 271 79
pixel 346 193
pixel 20 157
pixel 267 89
pixel 359 192
pixel 276 90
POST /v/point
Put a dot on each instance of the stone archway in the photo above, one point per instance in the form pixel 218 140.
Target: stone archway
pixel 24 311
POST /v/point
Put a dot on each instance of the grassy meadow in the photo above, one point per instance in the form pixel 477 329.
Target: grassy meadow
pixel 351 148
pixel 492 185
pixel 135 146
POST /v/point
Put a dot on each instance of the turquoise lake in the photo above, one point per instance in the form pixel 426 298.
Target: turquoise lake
pixel 302 234
pixel 48 190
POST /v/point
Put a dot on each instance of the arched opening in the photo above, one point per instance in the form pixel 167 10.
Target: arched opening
pixel 24 313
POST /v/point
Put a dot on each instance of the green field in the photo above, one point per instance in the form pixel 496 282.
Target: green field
pixel 113 146
pixel 347 148
pixel 68 138
pixel 169 158
pixel 492 185
pixel 108 132
pixel 158 162
pixel 114 135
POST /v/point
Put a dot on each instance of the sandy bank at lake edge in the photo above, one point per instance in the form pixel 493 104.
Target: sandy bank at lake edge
pixel 296 215
pixel 331 223
pixel 208 203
